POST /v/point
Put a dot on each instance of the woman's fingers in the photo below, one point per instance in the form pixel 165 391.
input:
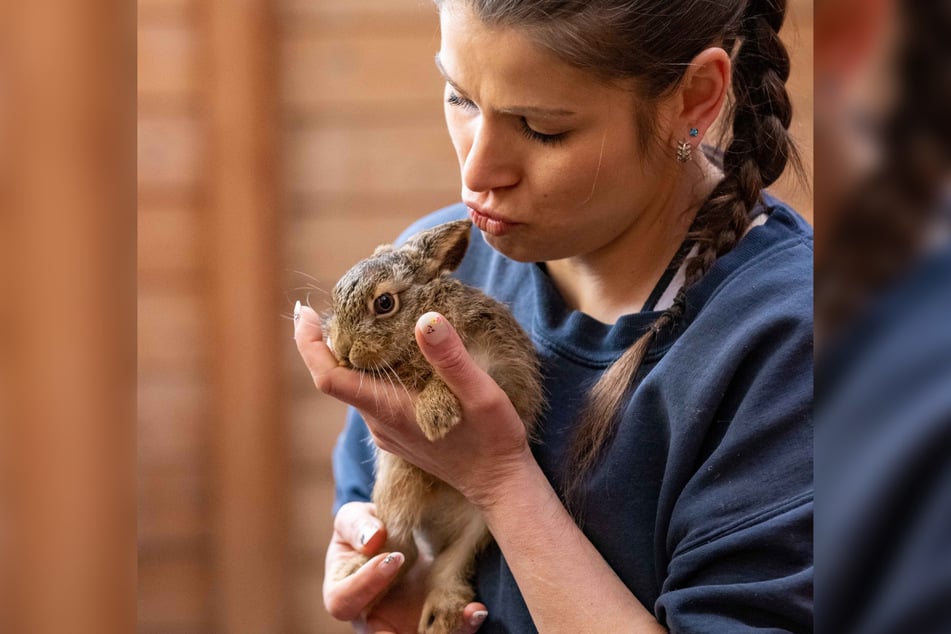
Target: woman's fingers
pixel 328 376
pixel 376 398
pixel 473 616
pixel 357 526
pixel 348 598
pixel 442 347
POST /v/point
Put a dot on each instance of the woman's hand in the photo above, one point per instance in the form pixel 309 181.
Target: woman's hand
pixel 357 530
pixel 486 457
pixel 477 456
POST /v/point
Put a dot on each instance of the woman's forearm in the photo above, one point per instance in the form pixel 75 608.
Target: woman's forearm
pixel 566 583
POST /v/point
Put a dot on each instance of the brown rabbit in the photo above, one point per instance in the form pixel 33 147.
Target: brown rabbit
pixel 375 308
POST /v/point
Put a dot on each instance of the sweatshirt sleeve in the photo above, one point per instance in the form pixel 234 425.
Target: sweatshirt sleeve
pixel 737 528
pixel 353 460
pixel 756 577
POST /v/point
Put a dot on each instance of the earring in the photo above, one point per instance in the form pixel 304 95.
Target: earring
pixel 683 151
pixel 694 131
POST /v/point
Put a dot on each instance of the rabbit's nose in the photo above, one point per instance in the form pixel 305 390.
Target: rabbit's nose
pixel 341 349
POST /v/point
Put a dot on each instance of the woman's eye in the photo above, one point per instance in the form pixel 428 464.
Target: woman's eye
pixel 535 135
pixel 548 139
pixel 384 304
pixel 460 102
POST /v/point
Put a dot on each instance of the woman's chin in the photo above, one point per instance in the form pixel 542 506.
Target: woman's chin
pixel 513 248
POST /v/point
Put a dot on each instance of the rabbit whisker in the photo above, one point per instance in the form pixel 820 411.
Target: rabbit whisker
pixel 378 387
pixel 306 287
pixel 360 386
pixel 396 376
pixel 390 374
pixel 307 275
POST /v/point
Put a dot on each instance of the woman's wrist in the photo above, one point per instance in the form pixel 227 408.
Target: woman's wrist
pixel 533 529
pixel 508 483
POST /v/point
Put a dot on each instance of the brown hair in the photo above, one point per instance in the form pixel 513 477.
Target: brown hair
pixel 652 43
pixel 884 222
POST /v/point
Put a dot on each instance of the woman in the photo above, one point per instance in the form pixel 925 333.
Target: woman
pixel 669 300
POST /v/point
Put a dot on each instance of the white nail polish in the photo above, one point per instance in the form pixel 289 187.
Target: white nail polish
pixel 367 534
pixel 297 308
pixel 478 618
pixel 392 558
pixel 433 327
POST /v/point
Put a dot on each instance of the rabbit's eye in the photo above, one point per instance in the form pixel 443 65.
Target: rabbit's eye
pixel 384 304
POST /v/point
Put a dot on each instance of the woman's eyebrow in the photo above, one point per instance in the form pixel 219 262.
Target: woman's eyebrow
pixel 445 75
pixel 535 111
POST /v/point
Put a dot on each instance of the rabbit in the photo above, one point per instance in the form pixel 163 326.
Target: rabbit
pixel 375 307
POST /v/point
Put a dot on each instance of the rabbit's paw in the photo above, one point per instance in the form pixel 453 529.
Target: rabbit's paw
pixel 442 612
pixel 436 424
pixel 350 566
pixel 437 411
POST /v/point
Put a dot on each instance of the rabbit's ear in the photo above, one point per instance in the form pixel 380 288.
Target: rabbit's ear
pixel 442 247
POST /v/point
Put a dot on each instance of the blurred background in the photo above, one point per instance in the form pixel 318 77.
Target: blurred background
pixel 164 459
pixel 883 342
pixel 278 143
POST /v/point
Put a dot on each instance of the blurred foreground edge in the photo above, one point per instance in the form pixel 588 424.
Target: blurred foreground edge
pixel 883 297
pixel 67 317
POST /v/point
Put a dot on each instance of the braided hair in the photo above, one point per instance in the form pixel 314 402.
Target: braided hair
pixel 884 223
pixel 652 42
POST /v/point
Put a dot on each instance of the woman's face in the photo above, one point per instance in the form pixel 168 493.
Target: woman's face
pixel 550 161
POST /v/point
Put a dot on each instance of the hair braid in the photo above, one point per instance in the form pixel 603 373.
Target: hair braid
pixel 600 416
pixel 757 154
pixel 885 221
pixel 760 146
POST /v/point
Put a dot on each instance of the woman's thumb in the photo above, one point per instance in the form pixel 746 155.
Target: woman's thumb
pixel 442 347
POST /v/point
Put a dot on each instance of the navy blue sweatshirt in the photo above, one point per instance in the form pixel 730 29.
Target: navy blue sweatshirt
pixel 702 502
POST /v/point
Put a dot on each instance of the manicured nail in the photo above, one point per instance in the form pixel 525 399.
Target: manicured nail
pixel 478 618
pixel 297 308
pixel 434 327
pixel 367 533
pixel 393 559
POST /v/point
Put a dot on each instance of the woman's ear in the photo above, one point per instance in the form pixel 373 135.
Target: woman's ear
pixel 702 92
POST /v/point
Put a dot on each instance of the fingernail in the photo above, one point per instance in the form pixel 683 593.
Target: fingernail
pixel 367 534
pixel 297 309
pixel 434 327
pixel 478 618
pixel 393 559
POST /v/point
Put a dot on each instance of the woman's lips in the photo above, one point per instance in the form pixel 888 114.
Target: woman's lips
pixel 489 224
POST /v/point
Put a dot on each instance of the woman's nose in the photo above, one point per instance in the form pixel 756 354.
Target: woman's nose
pixel 491 162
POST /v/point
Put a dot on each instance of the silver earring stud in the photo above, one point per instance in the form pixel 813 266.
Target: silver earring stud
pixel 683 151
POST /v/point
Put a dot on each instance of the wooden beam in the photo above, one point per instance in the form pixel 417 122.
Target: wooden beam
pixel 249 481
pixel 67 317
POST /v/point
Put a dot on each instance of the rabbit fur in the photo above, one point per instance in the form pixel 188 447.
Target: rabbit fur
pixel 374 334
